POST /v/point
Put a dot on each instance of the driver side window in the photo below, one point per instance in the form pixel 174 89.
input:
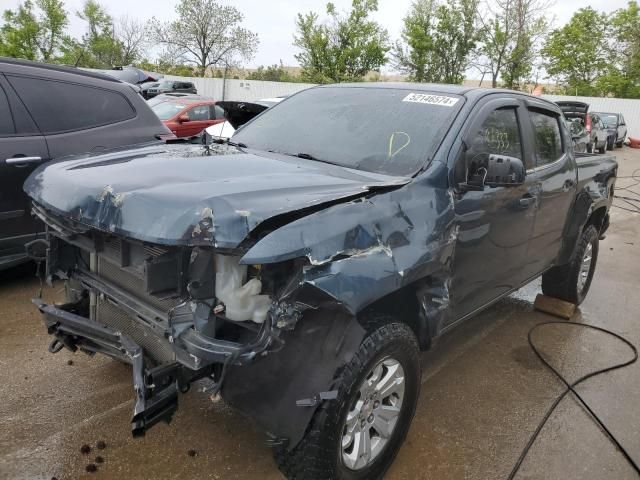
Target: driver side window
pixel 498 135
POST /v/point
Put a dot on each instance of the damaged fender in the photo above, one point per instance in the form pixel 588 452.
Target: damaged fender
pixel 359 252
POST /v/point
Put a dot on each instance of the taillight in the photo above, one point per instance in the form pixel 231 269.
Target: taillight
pixel 588 124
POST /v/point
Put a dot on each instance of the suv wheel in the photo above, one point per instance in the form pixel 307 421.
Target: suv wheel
pixel 603 149
pixel 357 435
pixel 571 282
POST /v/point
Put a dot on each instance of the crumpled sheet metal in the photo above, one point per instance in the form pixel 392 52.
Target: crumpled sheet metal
pixel 365 249
pixel 187 197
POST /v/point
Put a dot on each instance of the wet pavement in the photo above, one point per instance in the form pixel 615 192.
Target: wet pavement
pixel 483 393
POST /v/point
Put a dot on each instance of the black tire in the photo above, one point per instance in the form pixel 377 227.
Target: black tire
pixel 603 149
pixel 589 148
pixel 319 453
pixel 620 143
pixel 563 281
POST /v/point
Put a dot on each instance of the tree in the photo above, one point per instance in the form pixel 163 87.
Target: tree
pixel 437 40
pixel 206 34
pixel 511 29
pixel 34 32
pixel 272 73
pixel 577 54
pixel 621 78
pixel 101 47
pixel 345 48
pixel 130 33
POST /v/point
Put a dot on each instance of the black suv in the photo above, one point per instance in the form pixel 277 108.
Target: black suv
pixel 171 86
pixel 48 112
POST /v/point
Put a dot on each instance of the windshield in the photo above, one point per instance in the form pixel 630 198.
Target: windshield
pixel 382 130
pixel 609 120
pixel 166 110
pixel 166 84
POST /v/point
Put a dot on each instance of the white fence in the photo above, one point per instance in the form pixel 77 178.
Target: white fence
pixel 251 90
pixel 243 90
pixel 630 109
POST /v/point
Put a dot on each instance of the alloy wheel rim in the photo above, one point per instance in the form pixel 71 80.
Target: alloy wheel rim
pixel 585 267
pixel 374 415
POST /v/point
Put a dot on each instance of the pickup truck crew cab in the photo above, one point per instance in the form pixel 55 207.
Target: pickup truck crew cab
pixel 301 266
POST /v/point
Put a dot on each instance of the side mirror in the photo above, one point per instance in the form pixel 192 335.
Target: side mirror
pixel 504 171
pixel 183 119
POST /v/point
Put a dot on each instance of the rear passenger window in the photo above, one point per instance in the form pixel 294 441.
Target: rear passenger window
pixel 6 119
pixel 200 112
pixel 498 135
pixel 218 112
pixel 546 129
pixel 60 107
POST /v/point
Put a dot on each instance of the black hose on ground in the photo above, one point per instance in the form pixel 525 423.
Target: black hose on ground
pixel 571 388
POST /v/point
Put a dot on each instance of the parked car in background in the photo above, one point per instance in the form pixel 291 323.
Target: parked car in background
pixel 163 97
pixel 617 127
pixel 144 87
pixel 237 114
pixel 579 111
pixel 188 117
pixel 127 74
pixel 49 112
pixel 580 138
pixel 174 86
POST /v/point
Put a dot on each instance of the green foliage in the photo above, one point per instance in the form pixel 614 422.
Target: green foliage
pixel 205 33
pixel 100 47
pixel 273 73
pixel 167 68
pixel 622 76
pixel 345 48
pixel 437 40
pixel 33 31
pixel 577 54
pixel 511 31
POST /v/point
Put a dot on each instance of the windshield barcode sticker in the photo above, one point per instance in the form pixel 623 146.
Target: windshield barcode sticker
pixel 431 99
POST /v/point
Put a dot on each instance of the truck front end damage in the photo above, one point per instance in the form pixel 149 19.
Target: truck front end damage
pixel 176 314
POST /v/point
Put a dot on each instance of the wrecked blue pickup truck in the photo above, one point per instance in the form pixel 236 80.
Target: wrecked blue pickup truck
pixel 300 267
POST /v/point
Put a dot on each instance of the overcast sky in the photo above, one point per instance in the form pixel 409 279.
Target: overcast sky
pixel 274 20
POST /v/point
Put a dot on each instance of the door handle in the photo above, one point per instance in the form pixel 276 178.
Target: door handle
pixel 527 200
pixel 18 161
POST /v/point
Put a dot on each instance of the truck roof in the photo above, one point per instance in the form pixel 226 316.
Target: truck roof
pixel 472 93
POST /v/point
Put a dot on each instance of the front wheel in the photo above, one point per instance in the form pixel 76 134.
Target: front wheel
pixel 571 282
pixel 357 435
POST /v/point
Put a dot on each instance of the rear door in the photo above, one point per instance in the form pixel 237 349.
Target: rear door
pixel 200 117
pixel 22 149
pixel 554 180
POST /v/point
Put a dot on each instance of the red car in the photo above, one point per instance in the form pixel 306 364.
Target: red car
pixel 188 117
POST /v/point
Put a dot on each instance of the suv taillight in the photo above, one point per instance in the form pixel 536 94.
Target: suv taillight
pixel 588 123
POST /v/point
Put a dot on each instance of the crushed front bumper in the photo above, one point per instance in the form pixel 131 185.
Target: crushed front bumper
pixel 156 388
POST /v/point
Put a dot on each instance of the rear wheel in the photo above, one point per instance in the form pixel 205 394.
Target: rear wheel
pixel 358 435
pixel 603 148
pixel 589 148
pixel 620 143
pixel 571 282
